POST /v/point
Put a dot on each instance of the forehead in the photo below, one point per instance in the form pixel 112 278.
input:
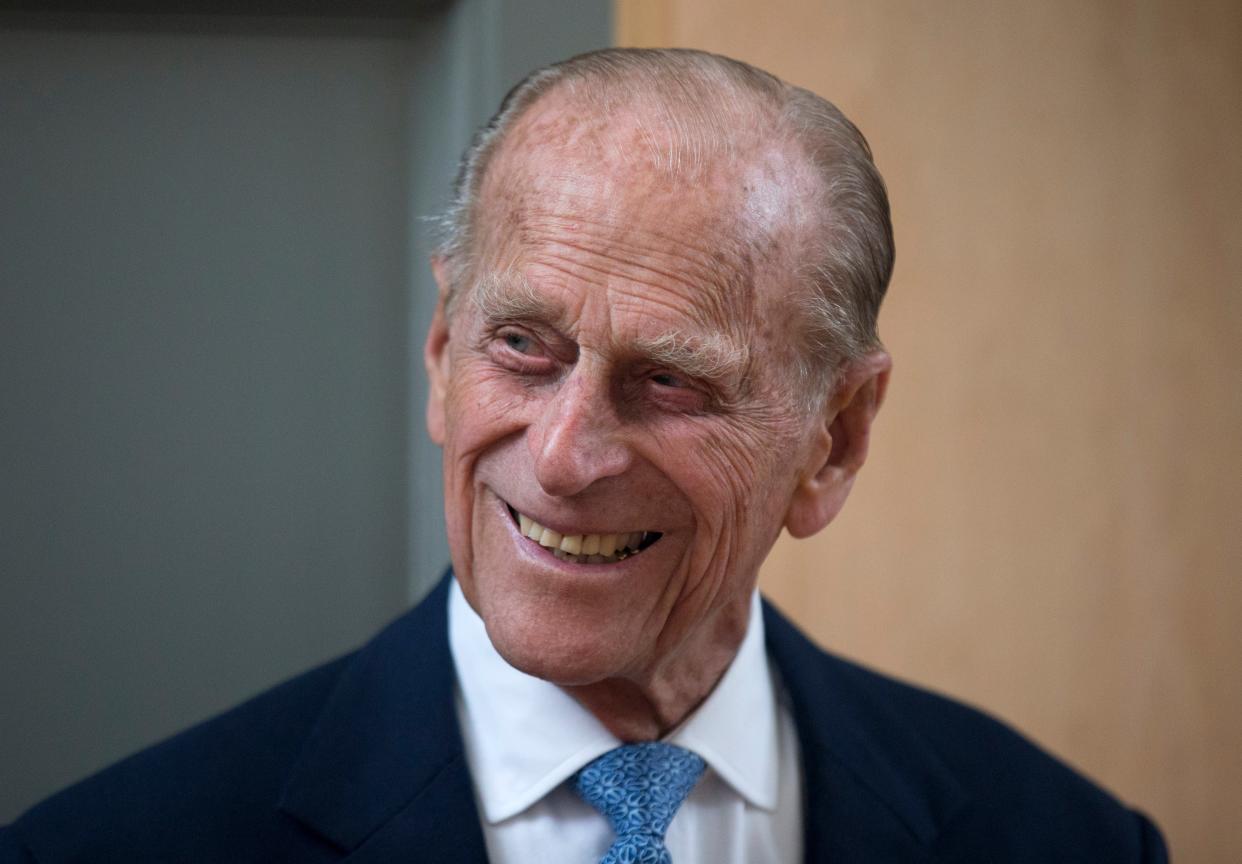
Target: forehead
pixel 616 202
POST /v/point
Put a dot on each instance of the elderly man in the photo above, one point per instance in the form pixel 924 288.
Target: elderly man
pixel 655 347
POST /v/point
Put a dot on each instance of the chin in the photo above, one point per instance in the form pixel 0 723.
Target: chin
pixel 564 656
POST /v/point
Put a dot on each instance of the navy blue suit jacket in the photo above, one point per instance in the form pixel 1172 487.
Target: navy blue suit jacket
pixel 361 760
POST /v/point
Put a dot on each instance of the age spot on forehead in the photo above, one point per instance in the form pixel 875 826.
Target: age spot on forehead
pixel 621 193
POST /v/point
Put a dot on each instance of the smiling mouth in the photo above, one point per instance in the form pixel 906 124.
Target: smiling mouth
pixel 585 548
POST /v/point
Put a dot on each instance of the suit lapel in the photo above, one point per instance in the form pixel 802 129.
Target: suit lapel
pixel 384 776
pixel 873 788
pixel 439 824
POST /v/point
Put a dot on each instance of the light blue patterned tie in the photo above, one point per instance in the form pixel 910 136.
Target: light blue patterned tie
pixel 639 788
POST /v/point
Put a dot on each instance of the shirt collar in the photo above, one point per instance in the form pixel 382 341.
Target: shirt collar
pixel 525 736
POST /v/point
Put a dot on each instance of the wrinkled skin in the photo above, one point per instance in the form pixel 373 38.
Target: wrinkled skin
pixel 552 402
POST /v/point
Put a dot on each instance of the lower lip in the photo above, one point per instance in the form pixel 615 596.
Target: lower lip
pixel 531 550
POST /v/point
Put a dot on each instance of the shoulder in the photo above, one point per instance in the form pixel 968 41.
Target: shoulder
pixel 971 785
pixel 333 742
pixel 1014 790
pixel 195 796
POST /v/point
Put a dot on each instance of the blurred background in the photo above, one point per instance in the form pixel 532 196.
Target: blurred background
pixel 213 293
pixel 213 287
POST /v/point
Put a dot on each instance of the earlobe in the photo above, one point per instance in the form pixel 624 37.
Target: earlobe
pixel 839 447
pixel 436 358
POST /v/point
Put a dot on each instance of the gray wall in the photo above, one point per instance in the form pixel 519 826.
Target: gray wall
pixel 213 470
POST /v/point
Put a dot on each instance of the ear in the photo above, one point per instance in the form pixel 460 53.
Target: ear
pixel 839 446
pixel 436 356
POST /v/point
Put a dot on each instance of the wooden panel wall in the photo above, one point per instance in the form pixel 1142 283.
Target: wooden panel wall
pixel 1049 525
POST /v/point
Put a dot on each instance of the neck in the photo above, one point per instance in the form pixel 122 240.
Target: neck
pixel 649 706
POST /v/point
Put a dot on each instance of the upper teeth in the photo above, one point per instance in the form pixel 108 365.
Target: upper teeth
pixel 591 546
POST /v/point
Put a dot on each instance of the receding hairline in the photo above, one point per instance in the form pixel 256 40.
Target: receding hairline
pixel 695 108
pixel 680 126
pixel 844 278
pixel 751 232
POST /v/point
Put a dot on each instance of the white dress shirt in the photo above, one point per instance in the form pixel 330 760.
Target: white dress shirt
pixel 525 737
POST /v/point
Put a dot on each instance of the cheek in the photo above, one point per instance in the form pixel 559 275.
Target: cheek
pixel 738 479
pixel 736 467
pixel 481 406
pixel 480 410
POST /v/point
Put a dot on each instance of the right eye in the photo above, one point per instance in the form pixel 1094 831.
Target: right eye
pixel 519 350
pixel 519 342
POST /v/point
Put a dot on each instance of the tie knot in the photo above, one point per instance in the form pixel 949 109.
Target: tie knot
pixel 640 786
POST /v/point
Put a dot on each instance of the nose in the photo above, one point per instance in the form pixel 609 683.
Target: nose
pixel 577 438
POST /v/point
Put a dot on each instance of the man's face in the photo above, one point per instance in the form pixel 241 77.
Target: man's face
pixel 620 367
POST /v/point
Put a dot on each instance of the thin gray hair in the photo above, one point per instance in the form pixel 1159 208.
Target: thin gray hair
pixel 847 273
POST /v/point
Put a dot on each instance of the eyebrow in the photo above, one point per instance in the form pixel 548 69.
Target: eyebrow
pixel 511 297
pixel 710 357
